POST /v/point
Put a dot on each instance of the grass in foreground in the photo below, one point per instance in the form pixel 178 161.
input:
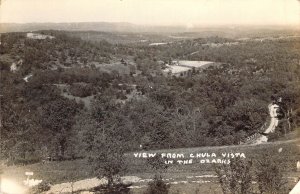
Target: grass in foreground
pixel 67 171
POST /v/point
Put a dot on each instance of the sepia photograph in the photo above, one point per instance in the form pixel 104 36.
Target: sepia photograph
pixel 149 96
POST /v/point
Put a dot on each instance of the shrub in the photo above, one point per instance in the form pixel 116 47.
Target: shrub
pixel 82 90
pixel 269 176
pixel 117 189
pixel 157 164
pixel 235 178
pixel 42 187
pixel 157 186
pixel 108 161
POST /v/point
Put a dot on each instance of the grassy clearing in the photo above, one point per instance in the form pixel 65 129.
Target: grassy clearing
pixel 292 135
pixel 288 156
pixel 67 171
pixel 188 188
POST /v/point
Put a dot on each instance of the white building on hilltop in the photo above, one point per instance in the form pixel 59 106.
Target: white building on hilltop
pixel 38 36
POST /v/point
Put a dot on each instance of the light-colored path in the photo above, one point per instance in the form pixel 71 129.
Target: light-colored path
pixel 86 184
pixel 274 119
pixel 272 126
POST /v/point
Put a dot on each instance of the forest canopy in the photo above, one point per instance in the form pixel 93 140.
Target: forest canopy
pixel 82 94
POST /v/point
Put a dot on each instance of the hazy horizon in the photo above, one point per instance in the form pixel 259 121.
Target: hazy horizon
pixel 188 13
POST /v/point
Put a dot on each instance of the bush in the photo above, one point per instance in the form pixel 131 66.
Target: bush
pixel 269 176
pixel 235 178
pixel 42 187
pixel 157 186
pixel 108 161
pixel 116 189
pixel 82 90
pixel 4 66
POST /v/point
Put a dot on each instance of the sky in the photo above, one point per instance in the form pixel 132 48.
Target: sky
pixel 154 12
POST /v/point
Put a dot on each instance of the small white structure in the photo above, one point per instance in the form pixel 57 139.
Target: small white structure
pixel 28 174
pixel 31 182
pixel 13 67
pixel 38 36
pixel 27 77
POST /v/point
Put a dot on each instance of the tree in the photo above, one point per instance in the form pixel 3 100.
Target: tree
pixel 107 142
pixel 269 176
pixel 107 158
pixel 157 185
pixel 246 115
pixel 57 117
pixel 236 177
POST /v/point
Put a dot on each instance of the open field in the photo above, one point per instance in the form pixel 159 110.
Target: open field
pixel 188 178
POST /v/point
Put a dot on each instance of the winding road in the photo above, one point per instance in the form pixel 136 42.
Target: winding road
pixel 262 138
